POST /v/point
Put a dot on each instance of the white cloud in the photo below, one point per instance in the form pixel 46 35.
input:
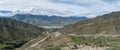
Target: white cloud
pixel 89 8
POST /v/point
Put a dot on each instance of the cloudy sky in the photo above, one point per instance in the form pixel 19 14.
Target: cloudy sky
pixel 89 8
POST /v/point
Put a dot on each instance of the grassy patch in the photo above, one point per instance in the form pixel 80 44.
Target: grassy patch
pixel 113 42
pixel 53 48
pixel 114 48
pixel 2 46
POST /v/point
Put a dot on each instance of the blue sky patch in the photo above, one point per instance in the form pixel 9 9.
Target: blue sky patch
pixel 5 11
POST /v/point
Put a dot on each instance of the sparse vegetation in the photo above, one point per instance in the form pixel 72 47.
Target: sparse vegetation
pixel 114 48
pixel 112 42
pixel 53 48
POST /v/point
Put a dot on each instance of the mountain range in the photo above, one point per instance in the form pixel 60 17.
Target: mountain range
pixel 14 33
pixel 100 33
pixel 106 24
pixel 20 28
pixel 45 20
pixel 21 32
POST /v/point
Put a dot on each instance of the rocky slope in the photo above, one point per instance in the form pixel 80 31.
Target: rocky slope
pixel 56 41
